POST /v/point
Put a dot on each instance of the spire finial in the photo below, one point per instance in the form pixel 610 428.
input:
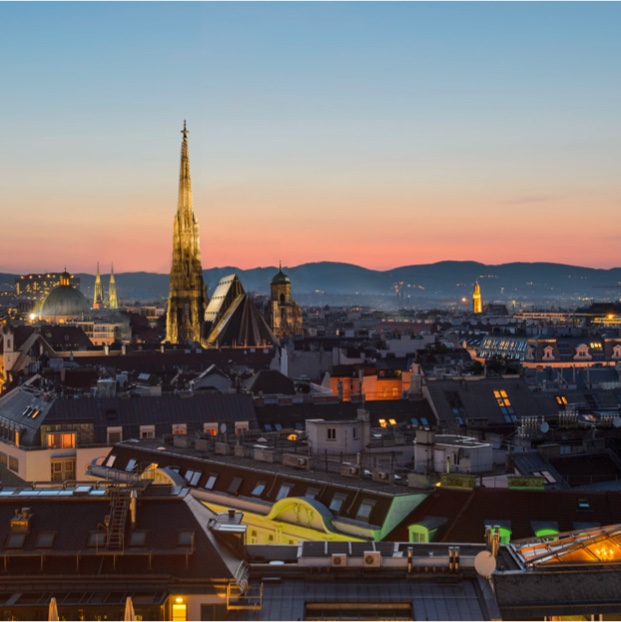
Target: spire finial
pixel 280 264
pixel 185 131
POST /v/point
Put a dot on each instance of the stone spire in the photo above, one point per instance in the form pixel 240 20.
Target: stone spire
pixel 98 296
pixel 113 302
pixel 187 299
pixel 477 302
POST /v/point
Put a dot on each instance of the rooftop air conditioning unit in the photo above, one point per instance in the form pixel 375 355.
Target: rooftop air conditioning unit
pixel 372 559
pixel 339 560
pixel 303 461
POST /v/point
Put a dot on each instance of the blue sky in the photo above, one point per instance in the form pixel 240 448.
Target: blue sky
pixel 382 134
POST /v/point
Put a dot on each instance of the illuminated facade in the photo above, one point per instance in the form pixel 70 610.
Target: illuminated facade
pixel 285 316
pixel 113 302
pixel 477 303
pixel 188 297
pixel 98 294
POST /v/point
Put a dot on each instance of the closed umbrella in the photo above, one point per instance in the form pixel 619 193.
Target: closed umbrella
pixel 129 610
pixel 52 613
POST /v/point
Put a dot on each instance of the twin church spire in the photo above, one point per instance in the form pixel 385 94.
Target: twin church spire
pixel 99 300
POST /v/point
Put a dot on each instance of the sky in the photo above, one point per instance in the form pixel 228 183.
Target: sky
pixel 376 133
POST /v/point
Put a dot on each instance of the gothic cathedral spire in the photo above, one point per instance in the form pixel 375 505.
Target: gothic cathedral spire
pixel 187 298
pixel 113 302
pixel 98 295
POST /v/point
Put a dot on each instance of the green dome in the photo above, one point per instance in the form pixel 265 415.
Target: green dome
pixel 281 279
pixel 64 301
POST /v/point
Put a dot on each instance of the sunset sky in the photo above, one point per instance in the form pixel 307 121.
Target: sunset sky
pixel 381 134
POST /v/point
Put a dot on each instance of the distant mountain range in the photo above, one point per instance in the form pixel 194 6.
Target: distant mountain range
pixel 443 283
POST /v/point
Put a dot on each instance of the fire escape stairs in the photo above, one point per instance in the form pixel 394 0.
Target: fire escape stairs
pixel 115 540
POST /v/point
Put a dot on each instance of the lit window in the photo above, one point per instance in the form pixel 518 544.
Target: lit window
pixel 61 440
pixel 180 428
pixel 382 423
pixel 211 429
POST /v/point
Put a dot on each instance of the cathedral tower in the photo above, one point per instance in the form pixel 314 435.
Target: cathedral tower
pixel 187 298
pixel 113 302
pixel 98 296
pixel 477 303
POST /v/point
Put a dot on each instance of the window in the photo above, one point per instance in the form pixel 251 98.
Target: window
pixel 61 440
pixel 331 434
pixel 138 538
pixel 502 399
pixel 257 491
pixel 62 470
pixel 284 491
pixel 235 486
pixel 355 433
pixel 115 434
pixel 147 431
pixel 584 504
pixel 185 538
pixel 211 429
pixel 110 460
pixel 337 501
pixel 561 400
pixel 96 539
pixel 45 539
pixel 180 428
pixel 3 459
pixel 15 541
pixel 211 480
pixel 195 477
pixel 365 509
pixel 312 492
pixel 131 463
pixel 13 464
pixel 241 427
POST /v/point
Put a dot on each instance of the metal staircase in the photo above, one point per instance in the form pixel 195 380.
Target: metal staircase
pixel 115 539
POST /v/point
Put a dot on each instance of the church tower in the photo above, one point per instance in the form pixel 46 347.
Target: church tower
pixel 284 315
pixel 98 296
pixel 187 298
pixel 477 303
pixel 113 302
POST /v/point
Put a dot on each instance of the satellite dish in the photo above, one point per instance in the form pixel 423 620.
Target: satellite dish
pixel 485 563
pixel 223 428
pixel 544 427
pixel 617 422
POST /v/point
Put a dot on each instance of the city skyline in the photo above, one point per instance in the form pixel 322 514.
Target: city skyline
pixel 377 134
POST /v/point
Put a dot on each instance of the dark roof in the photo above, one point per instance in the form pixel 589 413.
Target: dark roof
pixel 468 510
pixel 270 382
pixel 162 514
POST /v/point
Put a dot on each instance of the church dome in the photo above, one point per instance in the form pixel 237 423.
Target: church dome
pixel 281 279
pixel 64 302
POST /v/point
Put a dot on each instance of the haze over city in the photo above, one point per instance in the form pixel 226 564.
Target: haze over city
pixel 381 134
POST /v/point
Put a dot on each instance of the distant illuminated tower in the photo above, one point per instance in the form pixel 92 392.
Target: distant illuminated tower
pixel 187 299
pixel 477 303
pixel 284 315
pixel 98 296
pixel 113 302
